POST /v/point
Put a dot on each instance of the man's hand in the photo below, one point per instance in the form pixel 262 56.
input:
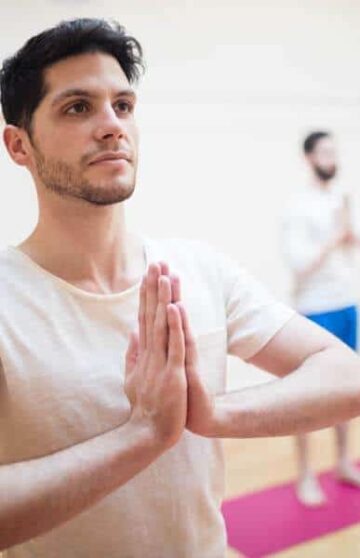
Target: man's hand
pixel 345 237
pixel 155 380
pixel 201 404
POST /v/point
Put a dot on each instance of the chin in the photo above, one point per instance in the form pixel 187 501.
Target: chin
pixel 108 196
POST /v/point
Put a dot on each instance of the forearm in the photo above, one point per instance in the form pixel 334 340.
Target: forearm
pixel 323 391
pixel 42 493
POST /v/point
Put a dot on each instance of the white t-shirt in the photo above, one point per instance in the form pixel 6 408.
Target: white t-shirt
pixel 63 350
pixel 309 222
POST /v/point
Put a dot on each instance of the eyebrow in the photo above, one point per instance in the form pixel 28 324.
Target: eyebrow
pixel 75 92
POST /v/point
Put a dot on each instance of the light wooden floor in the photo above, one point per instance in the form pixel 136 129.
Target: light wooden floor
pixel 259 463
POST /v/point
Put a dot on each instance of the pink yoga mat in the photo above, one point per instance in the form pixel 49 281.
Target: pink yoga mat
pixel 272 520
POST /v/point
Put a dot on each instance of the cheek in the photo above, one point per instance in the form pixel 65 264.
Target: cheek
pixel 328 162
pixel 133 133
pixel 66 147
pixel 59 142
pixel 320 161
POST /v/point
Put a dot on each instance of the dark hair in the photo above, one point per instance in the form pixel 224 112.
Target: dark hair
pixel 312 139
pixel 22 84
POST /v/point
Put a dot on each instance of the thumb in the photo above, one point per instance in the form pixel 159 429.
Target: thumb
pixel 132 353
pixel 191 355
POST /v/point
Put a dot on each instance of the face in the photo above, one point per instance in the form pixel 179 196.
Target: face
pixel 323 159
pixel 84 138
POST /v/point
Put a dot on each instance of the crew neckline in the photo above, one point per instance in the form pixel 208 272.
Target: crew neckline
pixel 76 290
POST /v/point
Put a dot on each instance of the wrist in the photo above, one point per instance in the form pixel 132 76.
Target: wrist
pixel 147 437
pixel 141 440
pixel 215 426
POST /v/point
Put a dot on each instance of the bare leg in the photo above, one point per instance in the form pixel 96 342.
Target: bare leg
pixel 346 471
pixel 308 489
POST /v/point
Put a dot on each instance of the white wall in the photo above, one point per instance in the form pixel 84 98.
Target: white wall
pixel 230 90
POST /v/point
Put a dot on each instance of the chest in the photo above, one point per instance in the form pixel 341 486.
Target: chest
pixel 324 218
pixel 64 368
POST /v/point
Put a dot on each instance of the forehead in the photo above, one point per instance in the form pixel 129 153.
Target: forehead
pixel 93 71
pixel 325 145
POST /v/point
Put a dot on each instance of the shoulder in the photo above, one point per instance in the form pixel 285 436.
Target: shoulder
pixel 16 276
pixel 9 265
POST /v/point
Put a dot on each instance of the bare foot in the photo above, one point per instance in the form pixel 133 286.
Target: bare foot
pixel 309 492
pixel 349 474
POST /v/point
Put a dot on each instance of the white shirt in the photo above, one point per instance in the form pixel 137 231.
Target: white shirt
pixel 310 221
pixel 63 350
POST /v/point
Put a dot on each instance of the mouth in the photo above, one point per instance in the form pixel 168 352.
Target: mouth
pixel 112 158
pixel 111 162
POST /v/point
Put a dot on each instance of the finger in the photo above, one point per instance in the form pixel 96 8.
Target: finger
pixel 164 268
pixel 191 355
pixel 152 279
pixel 175 288
pixel 161 324
pixel 142 316
pixel 176 347
pixel 131 353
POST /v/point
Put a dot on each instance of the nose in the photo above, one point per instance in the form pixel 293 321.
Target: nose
pixel 109 125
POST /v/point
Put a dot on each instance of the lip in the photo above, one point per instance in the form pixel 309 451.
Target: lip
pixel 111 157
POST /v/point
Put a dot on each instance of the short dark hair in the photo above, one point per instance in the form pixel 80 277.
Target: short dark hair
pixel 312 139
pixel 22 84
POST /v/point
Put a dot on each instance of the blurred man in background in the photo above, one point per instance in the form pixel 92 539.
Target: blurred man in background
pixel 318 241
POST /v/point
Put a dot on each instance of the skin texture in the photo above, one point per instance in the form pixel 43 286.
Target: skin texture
pixel 70 131
pixel 81 237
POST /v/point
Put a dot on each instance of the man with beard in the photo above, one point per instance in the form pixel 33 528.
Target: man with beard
pixel 112 406
pixel 318 242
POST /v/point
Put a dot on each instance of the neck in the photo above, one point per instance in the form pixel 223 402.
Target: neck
pixel 320 184
pixel 86 245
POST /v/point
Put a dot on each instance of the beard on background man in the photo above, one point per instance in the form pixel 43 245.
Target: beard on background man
pixel 325 173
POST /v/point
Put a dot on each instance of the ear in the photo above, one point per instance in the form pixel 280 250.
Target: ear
pixel 17 143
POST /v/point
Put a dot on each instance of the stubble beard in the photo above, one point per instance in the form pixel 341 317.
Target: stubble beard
pixel 66 181
pixel 325 174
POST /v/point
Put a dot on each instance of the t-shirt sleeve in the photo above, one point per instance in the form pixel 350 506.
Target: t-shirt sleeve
pixel 253 315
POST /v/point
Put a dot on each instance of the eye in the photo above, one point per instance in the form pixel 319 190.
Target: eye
pixel 77 108
pixel 124 106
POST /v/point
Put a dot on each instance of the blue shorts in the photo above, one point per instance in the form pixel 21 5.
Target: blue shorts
pixel 341 323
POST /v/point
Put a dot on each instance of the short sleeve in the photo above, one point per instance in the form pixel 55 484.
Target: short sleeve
pixel 253 315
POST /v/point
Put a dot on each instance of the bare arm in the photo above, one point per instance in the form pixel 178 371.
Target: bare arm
pixel 42 493
pixel 318 386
